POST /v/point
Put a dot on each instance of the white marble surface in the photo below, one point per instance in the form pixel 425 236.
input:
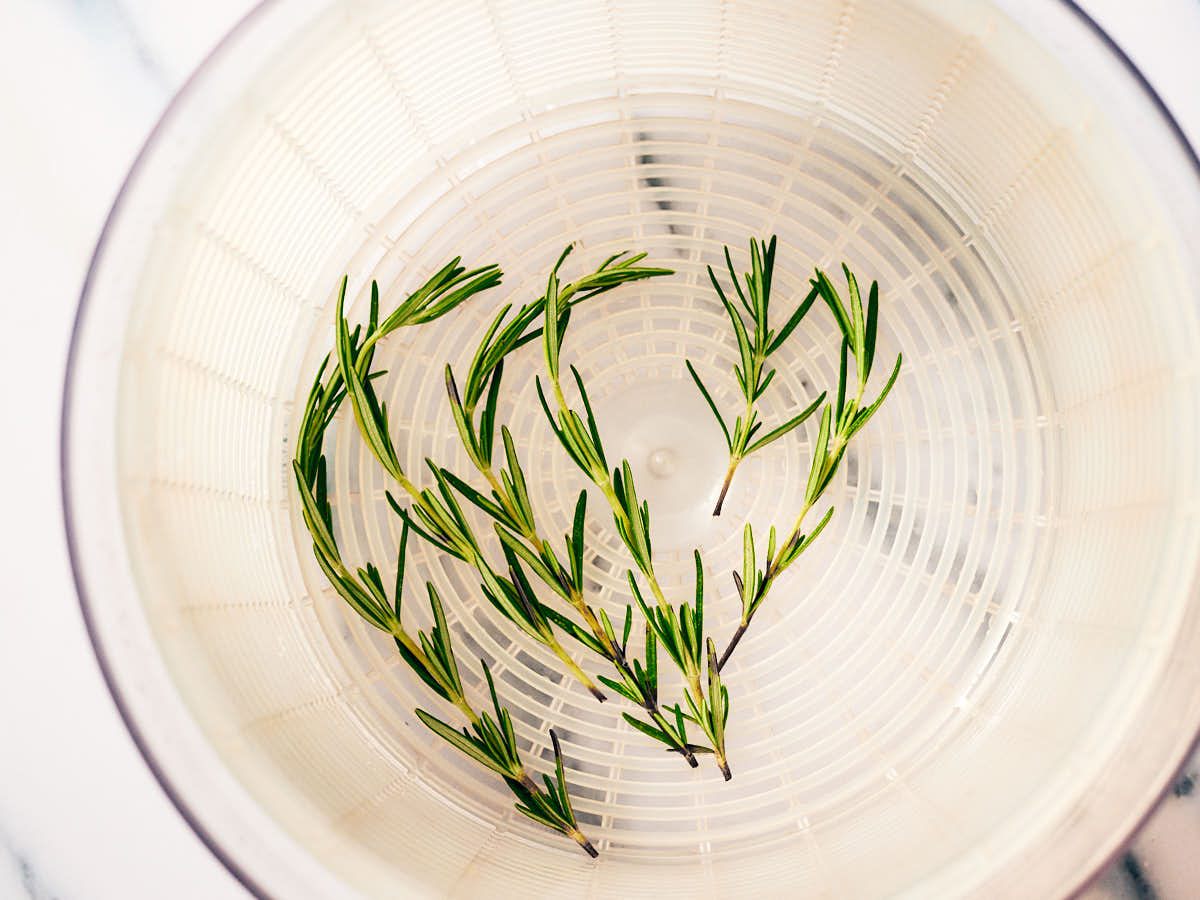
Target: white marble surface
pixel 81 83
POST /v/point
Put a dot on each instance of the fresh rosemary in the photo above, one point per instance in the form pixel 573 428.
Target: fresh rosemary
pixel 683 636
pixel 512 511
pixel 489 741
pixel 751 373
pixel 840 421
pixel 436 515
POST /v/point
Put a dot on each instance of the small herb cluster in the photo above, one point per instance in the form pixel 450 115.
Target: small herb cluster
pixel 509 504
pixel 489 741
pixel 681 635
pixel 435 514
pixel 840 421
pixel 751 372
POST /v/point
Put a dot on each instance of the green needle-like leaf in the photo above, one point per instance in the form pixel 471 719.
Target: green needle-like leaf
pixel 818 460
pixel 841 392
pixel 793 321
pixel 401 556
pixel 489 506
pixel 574 630
pixel 711 405
pixel 550 333
pixel 872 325
pixel 576 541
pixel 621 688
pixel 834 302
pixel 864 415
pixel 651 644
pixel 857 324
pixel 462 742
pixel 787 426
pixel 733 277
pixel 647 729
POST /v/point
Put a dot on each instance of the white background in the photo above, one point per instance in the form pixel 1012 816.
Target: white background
pixel 81 84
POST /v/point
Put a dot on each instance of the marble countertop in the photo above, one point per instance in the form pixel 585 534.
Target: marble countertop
pixel 81 83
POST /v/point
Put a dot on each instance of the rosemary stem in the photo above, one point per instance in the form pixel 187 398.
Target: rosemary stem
pixel 494 747
pixel 693 677
pixel 553 644
pixel 589 619
pixel 578 836
pixel 737 450
pixel 559 396
pixel 657 590
pixel 606 488
pixel 733 464
pixel 653 710
pixel 466 710
pixel 733 642
pixel 573 833
pixel 759 358
pixel 772 569
pixel 603 479
pixel 574 669
pixel 489 473
pixel 409 488
pixel 410 645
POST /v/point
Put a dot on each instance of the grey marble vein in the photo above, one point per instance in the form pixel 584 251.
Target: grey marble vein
pixel 18 877
pixel 109 21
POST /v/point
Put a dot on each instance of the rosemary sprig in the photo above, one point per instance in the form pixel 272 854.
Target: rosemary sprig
pixel 840 421
pixel 436 515
pixel 489 741
pixel 751 372
pixel 510 507
pixel 681 636
pixel 509 504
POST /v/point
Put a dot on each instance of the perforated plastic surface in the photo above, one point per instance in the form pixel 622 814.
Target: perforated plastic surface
pixel 937 688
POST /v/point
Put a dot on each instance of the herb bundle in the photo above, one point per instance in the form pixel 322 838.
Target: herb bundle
pixel 750 372
pixel 489 741
pixel 683 636
pixel 840 421
pixel 510 508
pixel 436 515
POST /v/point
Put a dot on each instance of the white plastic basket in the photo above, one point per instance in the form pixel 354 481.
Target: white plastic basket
pixel 976 682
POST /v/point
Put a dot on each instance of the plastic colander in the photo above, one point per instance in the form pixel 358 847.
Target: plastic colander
pixel 980 678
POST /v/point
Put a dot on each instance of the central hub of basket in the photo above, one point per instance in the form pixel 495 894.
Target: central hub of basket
pixel 675 450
